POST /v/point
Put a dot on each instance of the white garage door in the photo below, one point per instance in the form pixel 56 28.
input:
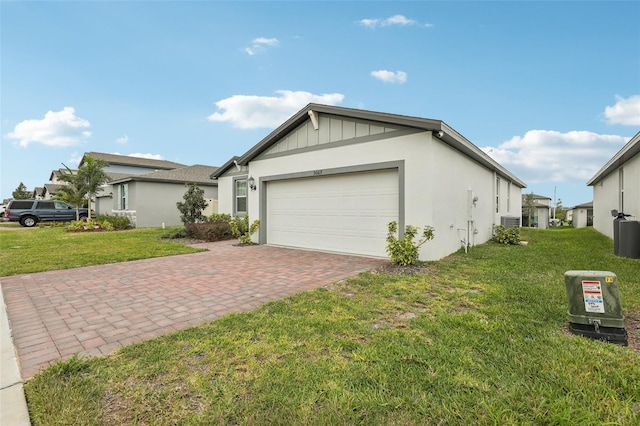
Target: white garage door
pixel 345 213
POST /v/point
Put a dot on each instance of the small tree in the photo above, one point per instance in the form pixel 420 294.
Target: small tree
pixel 193 205
pixel 21 193
pixel 404 251
pixel 530 207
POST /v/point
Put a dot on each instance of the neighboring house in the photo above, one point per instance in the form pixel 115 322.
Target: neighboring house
pixel 38 193
pixel 581 215
pixel 50 190
pixel 541 212
pixel 55 178
pixel 616 186
pixel 332 178
pixel 147 190
pixel 150 199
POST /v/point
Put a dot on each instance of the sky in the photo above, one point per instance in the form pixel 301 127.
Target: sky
pixel 549 89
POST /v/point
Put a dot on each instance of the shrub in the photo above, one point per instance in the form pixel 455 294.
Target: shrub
pixel 241 230
pixel 219 217
pixel 193 205
pixel 211 231
pixel 175 233
pixel 507 235
pixel 118 222
pixel 92 226
pixel 404 251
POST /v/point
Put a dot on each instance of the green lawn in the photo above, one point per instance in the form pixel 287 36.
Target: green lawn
pixel 481 339
pixel 37 249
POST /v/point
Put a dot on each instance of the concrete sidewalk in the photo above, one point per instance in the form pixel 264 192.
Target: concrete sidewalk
pixel 13 405
pixel 94 310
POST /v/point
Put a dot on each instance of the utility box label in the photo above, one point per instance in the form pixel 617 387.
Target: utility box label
pixel 592 294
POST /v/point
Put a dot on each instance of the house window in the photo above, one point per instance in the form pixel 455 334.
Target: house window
pixel 240 194
pixel 508 197
pixel 497 195
pixel 123 196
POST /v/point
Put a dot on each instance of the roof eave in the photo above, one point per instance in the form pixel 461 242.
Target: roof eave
pixel 626 153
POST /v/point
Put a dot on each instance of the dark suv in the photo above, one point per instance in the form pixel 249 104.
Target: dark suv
pixel 30 212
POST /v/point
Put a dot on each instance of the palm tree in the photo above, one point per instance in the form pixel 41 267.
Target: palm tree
pixel 91 176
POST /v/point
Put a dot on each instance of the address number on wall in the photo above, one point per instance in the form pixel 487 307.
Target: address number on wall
pixel 317 172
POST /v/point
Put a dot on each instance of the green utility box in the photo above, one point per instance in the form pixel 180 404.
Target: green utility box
pixel 594 306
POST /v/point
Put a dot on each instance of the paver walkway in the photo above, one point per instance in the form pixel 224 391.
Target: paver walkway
pixel 97 309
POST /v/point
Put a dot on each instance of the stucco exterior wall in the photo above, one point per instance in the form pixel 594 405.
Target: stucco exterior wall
pixel 155 202
pixel 605 199
pixel 580 218
pixel 439 185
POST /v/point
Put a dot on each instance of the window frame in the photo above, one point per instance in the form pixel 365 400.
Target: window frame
pixel 237 197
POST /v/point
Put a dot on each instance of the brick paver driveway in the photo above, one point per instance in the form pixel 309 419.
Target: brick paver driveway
pixel 94 310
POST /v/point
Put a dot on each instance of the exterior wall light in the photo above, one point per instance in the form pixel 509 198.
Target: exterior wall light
pixel 252 183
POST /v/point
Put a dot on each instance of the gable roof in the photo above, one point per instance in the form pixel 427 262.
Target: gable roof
pixel 535 197
pixel 630 150
pixel 226 166
pixel 60 172
pixel 132 161
pixel 582 206
pixel 449 135
pixel 52 188
pixel 191 174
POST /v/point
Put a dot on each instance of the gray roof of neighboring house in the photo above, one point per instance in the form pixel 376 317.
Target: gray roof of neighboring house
pixel 52 188
pixel 132 161
pixel 450 136
pixel 38 191
pixel 583 205
pixel 536 197
pixel 191 174
pixel 59 172
pixel 630 150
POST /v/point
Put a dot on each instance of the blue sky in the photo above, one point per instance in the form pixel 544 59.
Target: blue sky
pixel 549 89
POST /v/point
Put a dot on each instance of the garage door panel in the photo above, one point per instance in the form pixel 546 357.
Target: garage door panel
pixel 344 213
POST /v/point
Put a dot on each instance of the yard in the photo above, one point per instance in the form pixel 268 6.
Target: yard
pixel 477 338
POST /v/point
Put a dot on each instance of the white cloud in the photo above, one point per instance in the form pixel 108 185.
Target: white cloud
pixel 123 140
pixel 399 77
pixel 392 20
pixel 139 155
pixel 260 44
pixel 550 156
pixel 60 129
pixel 252 112
pixel 75 158
pixel 625 111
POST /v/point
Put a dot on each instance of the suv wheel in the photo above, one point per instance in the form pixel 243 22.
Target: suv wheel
pixel 28 221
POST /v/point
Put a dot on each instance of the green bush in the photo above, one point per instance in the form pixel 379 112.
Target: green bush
pixel 175 233
pixel 92 226
pixel 118 222
pixel 209 231
pixel 219 217
pixel 241 230
pixel 507 235
pixel 404 251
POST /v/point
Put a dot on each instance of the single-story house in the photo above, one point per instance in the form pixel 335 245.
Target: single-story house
pixel 147 190
pixel 538 214
pixel 616 187
pixel 149 200
pixel 581 215
pixel 332 178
